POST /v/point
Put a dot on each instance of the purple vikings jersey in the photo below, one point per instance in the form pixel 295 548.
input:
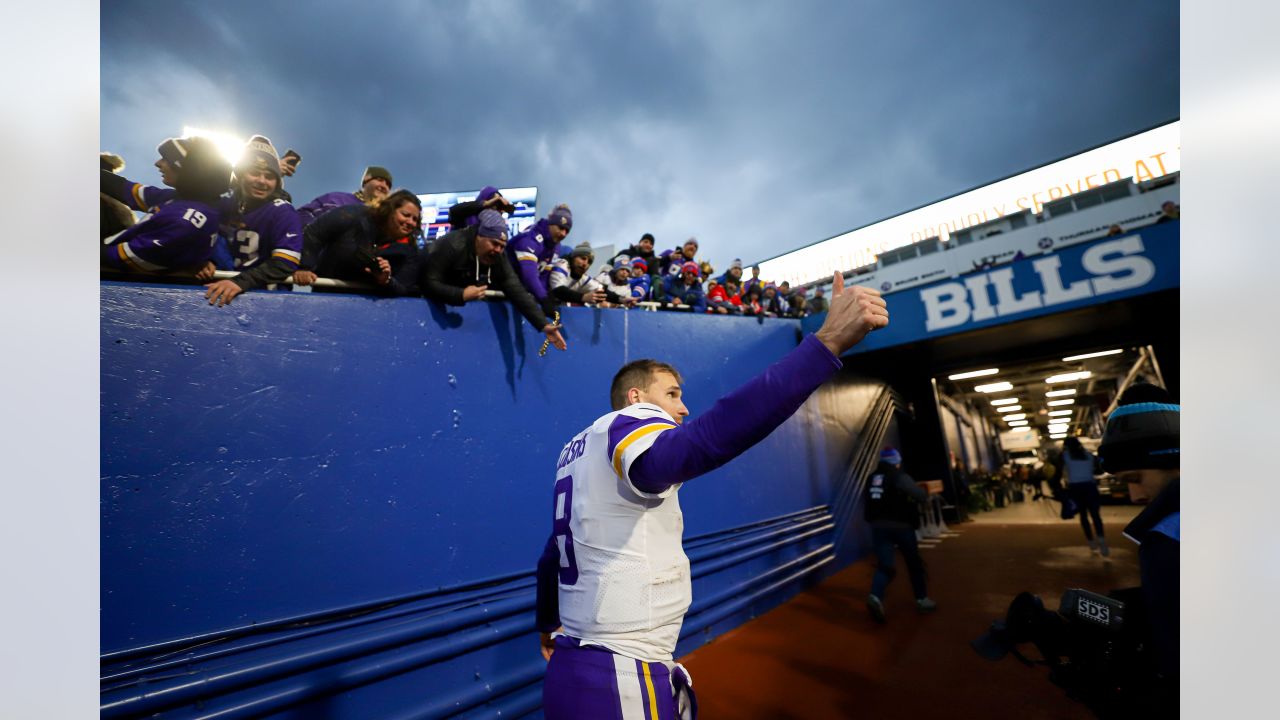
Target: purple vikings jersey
pixel 271 230
pixel 532 254
pixel 179 233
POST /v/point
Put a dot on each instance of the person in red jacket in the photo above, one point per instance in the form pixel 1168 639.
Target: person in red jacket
pixel 718 300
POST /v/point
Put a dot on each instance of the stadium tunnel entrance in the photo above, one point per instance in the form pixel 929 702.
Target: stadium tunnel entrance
pixel 952 427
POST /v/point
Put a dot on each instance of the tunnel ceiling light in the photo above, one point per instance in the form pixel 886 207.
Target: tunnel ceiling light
pixel 1020 424
pixel 1057 436
pixel 1057 427
pixel 1061 412
pixel 1092 355
pixel 973 374
pixel 1009 408
pixel 1055 403
pixel 993 387
pixel 1015 416
pixel 1060 393
pixel 1068 377
pixel 1005 401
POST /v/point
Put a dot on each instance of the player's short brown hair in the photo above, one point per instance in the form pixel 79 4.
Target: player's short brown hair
pixel 637 374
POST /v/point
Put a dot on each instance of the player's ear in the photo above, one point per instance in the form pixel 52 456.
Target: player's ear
pixel 633 396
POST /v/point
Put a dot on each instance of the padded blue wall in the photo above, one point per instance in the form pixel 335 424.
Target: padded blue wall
pixel 384 459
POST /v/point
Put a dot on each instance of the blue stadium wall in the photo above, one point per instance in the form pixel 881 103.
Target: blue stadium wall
pixel 323 505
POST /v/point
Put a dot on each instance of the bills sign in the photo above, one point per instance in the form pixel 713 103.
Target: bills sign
pixel 1090 273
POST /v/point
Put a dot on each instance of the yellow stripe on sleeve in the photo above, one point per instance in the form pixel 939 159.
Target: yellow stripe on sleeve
pixel 632 437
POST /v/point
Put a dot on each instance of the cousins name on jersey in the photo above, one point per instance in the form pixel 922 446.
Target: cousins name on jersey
pixel 1111 267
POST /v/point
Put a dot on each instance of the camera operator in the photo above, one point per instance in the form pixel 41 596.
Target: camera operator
pixel 1140 446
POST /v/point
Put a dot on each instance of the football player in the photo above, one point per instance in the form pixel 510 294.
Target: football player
pixel 613 580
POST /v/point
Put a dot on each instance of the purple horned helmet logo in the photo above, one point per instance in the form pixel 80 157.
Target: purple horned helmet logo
pixel 886 286
pixel 1045 243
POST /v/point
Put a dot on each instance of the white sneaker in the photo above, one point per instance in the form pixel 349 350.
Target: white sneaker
pixel 1102 547
pixel 1093 546
pixel 926 605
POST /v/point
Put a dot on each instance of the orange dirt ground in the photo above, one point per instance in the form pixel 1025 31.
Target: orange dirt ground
pixel 821 656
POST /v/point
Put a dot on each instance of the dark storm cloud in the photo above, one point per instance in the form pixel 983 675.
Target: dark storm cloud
pixel 758 128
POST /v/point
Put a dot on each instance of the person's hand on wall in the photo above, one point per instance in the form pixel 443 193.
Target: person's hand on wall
pixel 303 277
pixel 222 292
pixel 473 292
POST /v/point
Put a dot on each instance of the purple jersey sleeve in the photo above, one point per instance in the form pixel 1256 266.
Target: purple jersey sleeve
pixel 737 421
pixel 181 234
pixel 286 234
pixel 324 204
pixel 547 603
pixel 525 249
pixel 136 195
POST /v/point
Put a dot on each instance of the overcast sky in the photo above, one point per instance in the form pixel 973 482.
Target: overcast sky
pixel 756 127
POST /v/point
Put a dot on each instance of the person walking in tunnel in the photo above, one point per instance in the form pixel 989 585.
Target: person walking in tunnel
pixel 891 507
pixel 613 582
pixel 1077 466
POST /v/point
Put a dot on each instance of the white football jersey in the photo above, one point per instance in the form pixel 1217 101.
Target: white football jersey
pixel 624 577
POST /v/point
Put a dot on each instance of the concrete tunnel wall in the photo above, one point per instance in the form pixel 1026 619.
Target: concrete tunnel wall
pixel 313 458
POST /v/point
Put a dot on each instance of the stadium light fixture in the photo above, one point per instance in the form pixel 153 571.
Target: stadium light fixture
pixel 1092 355
pixel 1015 416
pixel 993 387
pixel 229 145
pixel 1068 377
pixel 1004 401
pixel 1055 403
pixel 974 374
pixel 1009 408
pixel 1060 393
pixel 1061 412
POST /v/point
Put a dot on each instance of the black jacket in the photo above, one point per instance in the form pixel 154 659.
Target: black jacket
pixel 451 265
pixel 340 243
pixel 888 498
pixel 1158 558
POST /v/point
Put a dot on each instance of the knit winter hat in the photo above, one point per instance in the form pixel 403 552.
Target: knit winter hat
pixel 737 263
pixel 259 154
pixel 641 264
pixel 693 241
pixel 174 150
pixel 492 225
pixel 561 216
pixel 691 266
pixel 489 191
pixel 582 250
pixel 1142 432
pixel 375 171
pixel 891 456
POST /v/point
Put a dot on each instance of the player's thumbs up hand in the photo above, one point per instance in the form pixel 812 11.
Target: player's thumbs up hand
pixel 855 311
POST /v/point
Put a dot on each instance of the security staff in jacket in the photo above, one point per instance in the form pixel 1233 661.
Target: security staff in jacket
pixel 462 264
pixel 892 501
pixel 1141 446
